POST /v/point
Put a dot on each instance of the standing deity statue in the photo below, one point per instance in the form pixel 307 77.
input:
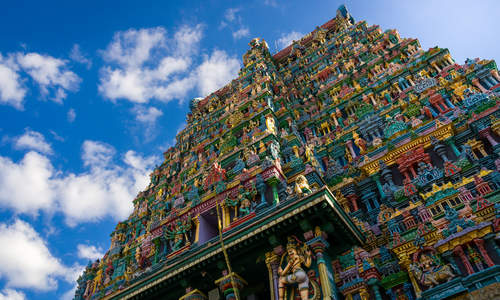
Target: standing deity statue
pixel 270 124
pixel 294 273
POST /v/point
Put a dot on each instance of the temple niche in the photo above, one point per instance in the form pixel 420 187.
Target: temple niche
pixel 353 164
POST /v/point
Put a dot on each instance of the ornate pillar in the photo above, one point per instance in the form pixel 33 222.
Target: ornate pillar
pixel 475 81
pixel 491 241
pixel 274 186
pixel 376 292
pixel 433 64
pixel 495 74
pixel 272 263
pixel 485 133
pixel 226 282
pixel 261 187
pixel 318 244
pixel 379 186
pixel 196 221
pixel 353 199
pixel 480 245
pixel 405 263
pixel 460 252
pixel 451 143
pixel 351 150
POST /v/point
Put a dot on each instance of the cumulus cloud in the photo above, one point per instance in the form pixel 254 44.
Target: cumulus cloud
pixel 50 73
pixel 216 70
pixel 77 55
pixel 104 188
pixel 12 91
pixel 233 18
pixel 27 262
pixel 32 140
pixel 286 39
pixel 145 64
pixel 89 252
pixel 240 33
pixel 27 186
pixel 147 114
pixel 10 294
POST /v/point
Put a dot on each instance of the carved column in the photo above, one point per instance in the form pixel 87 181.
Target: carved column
pixel 351 150
pixel 460 252
pixel 272 263
pixel 226 282
pixel 379 186
pixel 405 263
pixel 495 74
pixel 318 244
pixel 480 245
pixel 485 133
pixel 274 186
pixel 451 143
pixel 376 291
pixel 475 81
pixel 196 221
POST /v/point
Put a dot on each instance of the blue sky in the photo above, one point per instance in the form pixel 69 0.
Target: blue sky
pixel 92 93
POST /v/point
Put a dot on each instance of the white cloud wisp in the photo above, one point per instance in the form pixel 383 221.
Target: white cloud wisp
pixel 105 188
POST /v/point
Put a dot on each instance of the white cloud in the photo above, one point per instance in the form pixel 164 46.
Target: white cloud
pixel 146 64
pixel 27 186
pixel 216 71
pixel 71 115
pixel 96 154
pixel 242 32
pixel 286 39
pixel 147 115
pixel 89 252
pixel 32 140
pixel 230 14
pixel 50 73
pixel 10 294
pixel 105 188
pixel 27 262
pixel 77 55
pixel 11 90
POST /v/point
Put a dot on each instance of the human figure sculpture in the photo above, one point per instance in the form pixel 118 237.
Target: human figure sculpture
pixel 179 233
pixel 294 273
pixel 359 141
pixel 429 273
pixel 302 186
pixel 270 124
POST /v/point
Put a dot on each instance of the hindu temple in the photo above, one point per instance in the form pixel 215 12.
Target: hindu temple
pixel 353 164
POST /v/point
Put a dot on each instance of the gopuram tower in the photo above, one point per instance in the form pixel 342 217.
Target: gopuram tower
pixel 350 165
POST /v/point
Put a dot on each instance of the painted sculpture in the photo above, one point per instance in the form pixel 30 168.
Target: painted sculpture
pixel 385 157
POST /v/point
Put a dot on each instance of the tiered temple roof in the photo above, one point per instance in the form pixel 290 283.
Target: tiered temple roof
pixel 368 162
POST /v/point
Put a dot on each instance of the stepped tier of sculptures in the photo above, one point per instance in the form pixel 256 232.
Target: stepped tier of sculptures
pixel 405 139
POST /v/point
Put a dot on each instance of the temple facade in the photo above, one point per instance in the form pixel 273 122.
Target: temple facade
pixel 351 165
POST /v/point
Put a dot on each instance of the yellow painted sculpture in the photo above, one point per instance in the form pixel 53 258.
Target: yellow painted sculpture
pixel 302 186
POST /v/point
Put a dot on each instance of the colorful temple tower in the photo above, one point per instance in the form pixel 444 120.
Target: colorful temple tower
pixel 350 165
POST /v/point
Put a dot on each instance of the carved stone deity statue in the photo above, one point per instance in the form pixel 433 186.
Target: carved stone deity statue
pixel 294 273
